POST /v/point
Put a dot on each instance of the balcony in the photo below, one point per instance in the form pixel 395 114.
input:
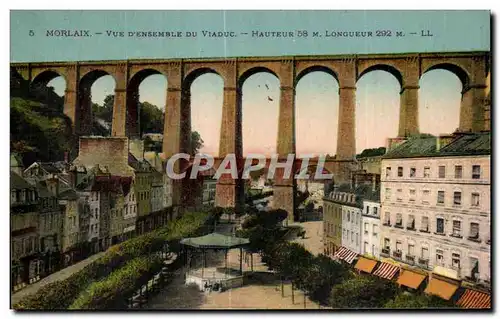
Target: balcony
pixel 424 231
pixel 385 252
pixel 398 226
pixel 386 223
pixel 423 262
pixel 397 254
pixel 411 228
pixel 410 259
pixel 456 236
pixel 475 239
pixel 440 233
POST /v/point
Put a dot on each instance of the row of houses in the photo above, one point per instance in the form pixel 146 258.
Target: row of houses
pixel 64 212
pixel 431 211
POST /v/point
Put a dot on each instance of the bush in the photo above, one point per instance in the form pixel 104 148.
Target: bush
pixel 415 301
pixel 363 292
pixel 61 294
pixel 112 291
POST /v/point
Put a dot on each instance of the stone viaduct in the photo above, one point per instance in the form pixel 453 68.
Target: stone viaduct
pixel 470 67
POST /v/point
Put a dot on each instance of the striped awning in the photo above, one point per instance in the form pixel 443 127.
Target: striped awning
pixel 386 271
pixel 346 255
pixel 474 299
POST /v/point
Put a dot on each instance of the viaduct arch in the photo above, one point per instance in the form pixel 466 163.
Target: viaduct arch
pixel 470 67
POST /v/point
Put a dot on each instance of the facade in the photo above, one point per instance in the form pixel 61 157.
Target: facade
pixel 24 205
pixel 351 224
pixel 370 223
pixel 50 228
pixel 76 222
pixel 129 210
pixel 435 205
pixel 332 224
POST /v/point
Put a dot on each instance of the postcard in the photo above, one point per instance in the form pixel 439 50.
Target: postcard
pixel 291 160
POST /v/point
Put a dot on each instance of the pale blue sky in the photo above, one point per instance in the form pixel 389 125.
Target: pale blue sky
pixel 377 108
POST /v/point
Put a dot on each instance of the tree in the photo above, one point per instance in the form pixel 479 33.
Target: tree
pixel 324 276
pixel 196 143
pixel 420 300
pixel 369 152
pixel 362 292
pixel 104 112
pixel 151 118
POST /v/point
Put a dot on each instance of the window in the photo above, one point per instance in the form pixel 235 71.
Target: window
pixel 375 211
pixel 411 250
pixel 365 247
pixel 458 171
pixel 352 237
pixel 411 222
pixel 398 246
pixel 440 199
pixel 412 195
pixel 387 218
pixel 366 228
pixel 456 227
pixel 400 194
pixel 413 171
pixel 455 261
pixel 474 199
pixel 425 196
pixel 427 172
pixel 387 193
pixel 400 171
pixel 476 171
pixel 439 257
pixel 474 230
pixel 442 171
pixel 375 230
pixel 348 217
pixel 367 210
pixel 474 266
pixel 373 250
pixel 425 253
pixel 457 198
pixel 399 219
pixel 439 225
pixel 387 243
pixel 388 172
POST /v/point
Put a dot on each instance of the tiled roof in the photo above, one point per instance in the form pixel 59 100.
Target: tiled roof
pixel 17 182
pixel 42 190
pixel 461 145
pixel 69 194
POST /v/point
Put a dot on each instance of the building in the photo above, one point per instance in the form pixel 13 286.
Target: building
pixel 129 210
pixel 24 236
pixel 351 223
pixel 370 221
pixel 50 220
pixel 332 223
pixel 435 205
pixel 76 214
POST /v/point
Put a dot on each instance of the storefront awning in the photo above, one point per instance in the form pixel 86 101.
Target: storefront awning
pixel 474 299
pixel 410 279
pixel 441 288
pixel 386 271
pixel 365 264
pixel 346 255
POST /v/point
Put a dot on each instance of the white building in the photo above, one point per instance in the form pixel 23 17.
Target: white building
pixel 370 223
pixel 435 205
pixel 129 211
pixel 351 224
